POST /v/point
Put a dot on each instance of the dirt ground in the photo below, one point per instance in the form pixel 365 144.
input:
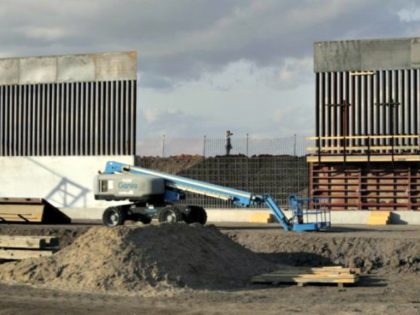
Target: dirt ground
pixel 391 285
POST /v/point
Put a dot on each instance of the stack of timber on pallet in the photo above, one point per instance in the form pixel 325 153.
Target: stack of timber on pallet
pixel 379 217
pixel 30 210
pixel 301 275
pixel 22 247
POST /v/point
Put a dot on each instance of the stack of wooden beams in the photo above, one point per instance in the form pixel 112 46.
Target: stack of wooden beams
pixel 302 275
pixel 22 247
pixel 379 217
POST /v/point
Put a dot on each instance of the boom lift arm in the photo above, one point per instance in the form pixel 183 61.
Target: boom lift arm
pixel 176 186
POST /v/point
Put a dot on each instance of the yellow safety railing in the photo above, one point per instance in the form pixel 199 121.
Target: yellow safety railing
pixel 375 144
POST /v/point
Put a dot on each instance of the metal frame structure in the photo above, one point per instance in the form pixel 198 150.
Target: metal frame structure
pixel 367 117
pixel 68 105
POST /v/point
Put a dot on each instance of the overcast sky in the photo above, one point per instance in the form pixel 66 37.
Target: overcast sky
pixel 208 65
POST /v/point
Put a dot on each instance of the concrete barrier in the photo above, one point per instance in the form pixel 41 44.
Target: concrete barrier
pixel 262 215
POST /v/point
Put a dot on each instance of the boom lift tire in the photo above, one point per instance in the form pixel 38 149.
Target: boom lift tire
pixel 113 216
pixel 169 214
pixel 195 214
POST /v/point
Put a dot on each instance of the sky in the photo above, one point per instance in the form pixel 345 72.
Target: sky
pixel 206 66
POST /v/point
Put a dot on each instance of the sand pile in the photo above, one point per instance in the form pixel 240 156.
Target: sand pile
pixel 142 259
pixel 371 254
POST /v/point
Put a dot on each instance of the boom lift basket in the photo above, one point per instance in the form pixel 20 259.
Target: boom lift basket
pixel 310 211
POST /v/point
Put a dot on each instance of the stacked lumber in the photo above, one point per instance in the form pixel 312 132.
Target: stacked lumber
pixel 302 275
pixel 261 217
pixel 379 217
pixel 22 247
pixel 30 210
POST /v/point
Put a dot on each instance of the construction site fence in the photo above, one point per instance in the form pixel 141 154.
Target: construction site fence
pixel 247 145
pixel 274 166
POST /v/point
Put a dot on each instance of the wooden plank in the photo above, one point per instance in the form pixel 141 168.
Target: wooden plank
pixel 34 242
pixel 363 158
pixel 311 275
pixel 379 217
pixel 300 275
pixel 21 212
pixel 302 280
pixel 364 148
pixel 18 254
pixel 364 137
pixel 308 276
pixel 315 269
pixel 15 200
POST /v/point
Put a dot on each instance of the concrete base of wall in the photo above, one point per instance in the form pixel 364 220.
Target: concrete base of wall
pixel 247 215
pixel 64 181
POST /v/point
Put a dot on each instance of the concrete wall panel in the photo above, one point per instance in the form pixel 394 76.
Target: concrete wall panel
pixel 359 55
pixel 336 55
pixel 415 52
pixel 72 68
pixel 69 68
pixel 37 70
pixel 114 66
pixel 9 71
pixel 66 182
pixel 385 54
pixel 245 216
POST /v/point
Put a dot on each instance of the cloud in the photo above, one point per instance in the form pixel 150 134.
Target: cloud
pixel 172 123
pixel 44 33
pixel 410 14
pixel 180 40
pixel 154 81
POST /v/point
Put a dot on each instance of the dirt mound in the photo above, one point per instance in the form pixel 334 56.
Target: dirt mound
pixel 173 164
pixel 368 253
pixel 146 260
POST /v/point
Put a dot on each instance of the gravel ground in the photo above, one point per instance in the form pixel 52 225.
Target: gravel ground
pixel 388 288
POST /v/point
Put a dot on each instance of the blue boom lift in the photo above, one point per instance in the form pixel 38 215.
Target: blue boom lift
pixel 154 194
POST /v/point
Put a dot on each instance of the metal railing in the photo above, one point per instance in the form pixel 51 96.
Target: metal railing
pixel 392 145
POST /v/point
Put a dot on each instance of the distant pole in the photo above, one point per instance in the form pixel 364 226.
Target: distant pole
pixel 204 145
pixel 163 145
pixel 247 144
pixel 294 145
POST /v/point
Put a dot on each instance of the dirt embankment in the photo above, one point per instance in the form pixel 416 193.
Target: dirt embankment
pixel 172 164
pixel 279 175
pixel 146 260
pixel 371 254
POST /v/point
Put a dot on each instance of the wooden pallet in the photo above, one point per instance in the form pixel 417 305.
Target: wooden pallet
pixel 303 275
pixel 22 247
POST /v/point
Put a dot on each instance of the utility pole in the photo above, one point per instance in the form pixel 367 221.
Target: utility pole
pixel 163 145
